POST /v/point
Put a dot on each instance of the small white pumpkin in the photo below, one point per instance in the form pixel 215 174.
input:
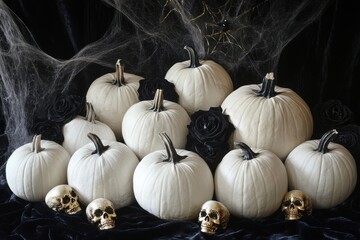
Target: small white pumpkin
pixel 103 171
pixel 35 168
pixel 324 170
pixel 172 184
pixel 251 182
pixel 146 119
pixel 75 132
pixel 271 117
pixel 200 84
pixel 111 96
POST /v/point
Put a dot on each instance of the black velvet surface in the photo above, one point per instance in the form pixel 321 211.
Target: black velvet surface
pixel 321 64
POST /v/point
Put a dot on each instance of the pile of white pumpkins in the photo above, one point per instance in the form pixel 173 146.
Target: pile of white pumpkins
pixel 126 150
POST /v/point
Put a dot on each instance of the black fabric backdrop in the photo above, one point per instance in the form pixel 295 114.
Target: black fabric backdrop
pixel 322 63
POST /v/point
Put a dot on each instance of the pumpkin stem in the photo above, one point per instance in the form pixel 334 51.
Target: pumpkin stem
pixel 158 101
pixel 90 113
pixel 119 74
pixel 172 155
pixel 268 86
pixel 325 140
pixel 194 59
pixel 248 154
pixel 36 144
pixel 100 148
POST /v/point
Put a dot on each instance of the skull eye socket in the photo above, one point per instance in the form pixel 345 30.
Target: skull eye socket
pixel 203 213
pixel 98 212
pixel 109 210
pixel 66 199
pixel 298 202
pixel 287 203
pixel 213 215
pixel 73 194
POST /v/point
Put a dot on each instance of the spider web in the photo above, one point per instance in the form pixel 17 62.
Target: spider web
pixel 243 33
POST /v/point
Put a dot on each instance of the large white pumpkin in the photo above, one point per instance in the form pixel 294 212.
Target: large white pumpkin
pixel 251 182
pixel 200 84
pixel 104 170
pixel 172 184
pixel 35 168
pixel 324 170
pixel 269 117
pixel 111 96
pixel 146 119
pixel 75 132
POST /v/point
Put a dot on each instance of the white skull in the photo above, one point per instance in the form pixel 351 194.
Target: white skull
pixel 63 198
pixel 101 212
pixel 213 216
pixel 296 204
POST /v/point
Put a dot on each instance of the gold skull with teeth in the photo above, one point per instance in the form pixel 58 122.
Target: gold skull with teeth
pixel 213 217
pixel 296 204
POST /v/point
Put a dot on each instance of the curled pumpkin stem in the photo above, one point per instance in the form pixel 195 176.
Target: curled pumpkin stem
pixel 119 74
pixel 325 140
pixel 268 86
pixel 90 113
pixel 100 148
pixel 194 58
pixel 36 144
pixel 158 102
pixel 248 154
pixel 172 155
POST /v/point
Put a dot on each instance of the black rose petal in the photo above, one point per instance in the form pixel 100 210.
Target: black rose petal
pixel 329 115
pixel 212 155
pixel 210 127
pixel 49 130
pixel 65 108
pixel 349 137
pixel 149 86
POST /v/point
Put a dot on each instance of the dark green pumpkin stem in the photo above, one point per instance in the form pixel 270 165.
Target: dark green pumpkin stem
pixel 119 74
pixel 36 144
pixel 172 155
pixel 194 58
pixel 90 113
pixel 248 153
pixel 100 148
pixel 325 140
pixel 268 86
pixel 158 102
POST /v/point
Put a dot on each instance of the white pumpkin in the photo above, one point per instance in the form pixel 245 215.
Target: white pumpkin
pixel 35 168
pixel 272 118
pixel 103 171
pixel 146 119
pixel 251 182
pixel 111 96
pixel 200 84
pixel 75 132
pixel 172 184
pixel 324 170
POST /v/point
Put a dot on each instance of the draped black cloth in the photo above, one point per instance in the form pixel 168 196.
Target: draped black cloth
pixel 322 63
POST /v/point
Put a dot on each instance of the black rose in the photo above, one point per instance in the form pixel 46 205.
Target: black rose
pixel 210 127
pixel 329 115
pixel 149 86
pixel 349 137
pixel 49 130
pixel 65 108
pixel 211 154
pixel 209 132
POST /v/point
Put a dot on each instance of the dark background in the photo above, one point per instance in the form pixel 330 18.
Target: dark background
pixel 320 63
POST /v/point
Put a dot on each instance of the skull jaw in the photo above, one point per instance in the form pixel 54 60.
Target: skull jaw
pixel 106 224
pixel 73 210
pixel 293 215
pixel 206 227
